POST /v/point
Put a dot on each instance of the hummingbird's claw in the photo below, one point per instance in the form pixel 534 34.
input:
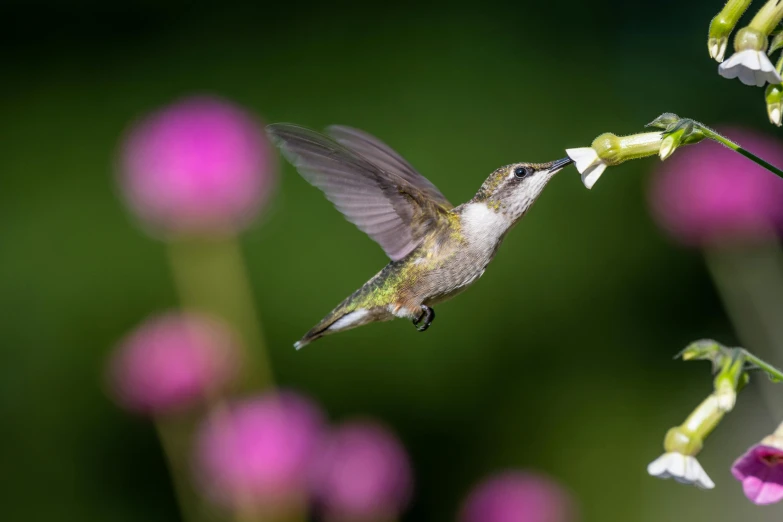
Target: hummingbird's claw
pixel 427 315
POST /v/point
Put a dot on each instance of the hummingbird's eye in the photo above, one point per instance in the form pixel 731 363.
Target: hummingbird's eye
pixel 522 172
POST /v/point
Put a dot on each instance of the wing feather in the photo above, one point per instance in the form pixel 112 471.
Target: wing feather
pixel 369 183
pixel 386 159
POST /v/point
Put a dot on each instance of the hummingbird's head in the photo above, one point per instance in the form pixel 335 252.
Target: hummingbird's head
pixel 512 189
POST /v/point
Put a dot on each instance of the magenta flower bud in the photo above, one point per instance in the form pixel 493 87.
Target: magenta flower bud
pixel 201 165
pixel 517 496
pixel 363 473
pixel 708 193
pixel 256 454
pixel 761 472
pixel 171 362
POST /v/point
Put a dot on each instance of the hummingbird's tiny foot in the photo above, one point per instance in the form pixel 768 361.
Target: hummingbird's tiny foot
pixel 427 315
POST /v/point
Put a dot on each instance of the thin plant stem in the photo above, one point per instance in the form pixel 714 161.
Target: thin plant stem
pixel 764 365
pixel 173 441
pixel 709 133
pixel 210 276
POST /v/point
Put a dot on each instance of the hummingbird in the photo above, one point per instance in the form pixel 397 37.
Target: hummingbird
pixel 437 250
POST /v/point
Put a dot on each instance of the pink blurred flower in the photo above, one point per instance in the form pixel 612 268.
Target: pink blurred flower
pixel 761 472
pixel 257 453
pixel 363 473
pixel 199 165
pixel 518 497
pixel 708 193
pixel 172 361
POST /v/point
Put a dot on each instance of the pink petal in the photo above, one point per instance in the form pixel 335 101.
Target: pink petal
pixel 761 471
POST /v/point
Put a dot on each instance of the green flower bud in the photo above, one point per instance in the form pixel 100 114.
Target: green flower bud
pixel 777 42
pixel 665 121
pixel 722 25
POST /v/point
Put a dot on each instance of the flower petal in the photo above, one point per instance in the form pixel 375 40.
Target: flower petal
pixel 747 76
pixel 660 466
pixel 699 477
pixel 751 67
pixel 761 471
pixel 591 175
pixel 748 464
pixel 729 68
pixel 584 157
pixel 684 469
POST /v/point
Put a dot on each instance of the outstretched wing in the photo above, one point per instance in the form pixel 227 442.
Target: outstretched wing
pixel 379 192
pixel 386 159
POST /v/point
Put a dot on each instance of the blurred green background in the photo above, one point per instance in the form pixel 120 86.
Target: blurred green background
pixel 559 359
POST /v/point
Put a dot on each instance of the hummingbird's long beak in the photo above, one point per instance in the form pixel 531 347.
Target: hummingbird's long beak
pixel 556 166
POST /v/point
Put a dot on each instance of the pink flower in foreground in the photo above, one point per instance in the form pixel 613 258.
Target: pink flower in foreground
pixel 708 193
pixel 199 165
pixel 171 361
pixel 517 496
pixel 761 472
pixel 362 473
pixel 257 453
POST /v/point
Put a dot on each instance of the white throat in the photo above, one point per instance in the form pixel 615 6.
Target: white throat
pixel 481 223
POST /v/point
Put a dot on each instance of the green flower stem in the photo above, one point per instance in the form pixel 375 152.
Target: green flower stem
pixel 711 134
pixel 175 441
pixel 210 277
pixel 730 14
pixel 768 17
pixel 773 372
pixel 725 21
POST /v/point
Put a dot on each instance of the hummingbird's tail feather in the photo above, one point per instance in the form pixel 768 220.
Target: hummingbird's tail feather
pixel 339 320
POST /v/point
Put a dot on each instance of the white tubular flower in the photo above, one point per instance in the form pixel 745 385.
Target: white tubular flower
pixel 749 62
pixel 685 469
pixel 609 149
pixel 684 442
pixel 588 163
pixel 752 67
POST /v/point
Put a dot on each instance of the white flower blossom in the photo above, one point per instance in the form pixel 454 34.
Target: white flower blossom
pixel 752 67
pixel 588 163
pixel 685 469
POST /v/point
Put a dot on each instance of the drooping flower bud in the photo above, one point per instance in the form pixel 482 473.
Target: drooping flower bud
pixel 774 98
pixel 722 26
